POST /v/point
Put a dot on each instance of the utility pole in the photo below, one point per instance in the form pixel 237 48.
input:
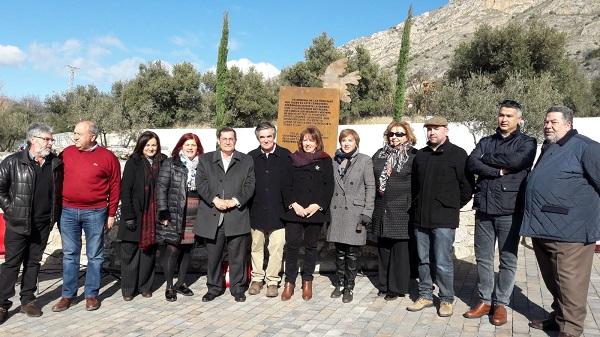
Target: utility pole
pixel 72 70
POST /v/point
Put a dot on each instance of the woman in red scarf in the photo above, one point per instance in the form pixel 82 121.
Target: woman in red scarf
pixel 138 215
pixel 307 199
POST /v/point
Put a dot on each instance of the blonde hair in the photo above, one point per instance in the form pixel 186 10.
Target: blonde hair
pixel 412 139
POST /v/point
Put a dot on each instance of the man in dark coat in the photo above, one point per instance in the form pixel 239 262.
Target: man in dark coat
pixel 30 196
pixel 562 216
pixel 442 187
pixel 272 164
pixel 225 183
pixel 501 162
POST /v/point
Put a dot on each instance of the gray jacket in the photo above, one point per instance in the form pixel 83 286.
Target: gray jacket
pixel 562 200
pixel 237 182
pixel 353 196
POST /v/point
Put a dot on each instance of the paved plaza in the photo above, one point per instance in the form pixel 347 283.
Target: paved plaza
pixel 367 315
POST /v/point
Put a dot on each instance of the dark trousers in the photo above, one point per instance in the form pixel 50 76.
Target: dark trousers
pixel 393 265
pixel 566 268
pixel 295 234
pixel 346 263
pixel 490 229
pixel 26 250
pixel 237 253
pixel 137 268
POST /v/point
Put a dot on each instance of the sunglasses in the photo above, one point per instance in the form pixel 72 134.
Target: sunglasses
pixel 397 134
pixel 509 103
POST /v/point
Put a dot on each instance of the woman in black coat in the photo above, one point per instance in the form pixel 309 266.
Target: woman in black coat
pixel 178 202
pixel 392 167
pixel 138 214
pixel 307 199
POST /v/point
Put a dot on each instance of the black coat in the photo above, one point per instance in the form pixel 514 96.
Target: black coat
pixel 132 195
pixel 391 217
pixel 310 184
pixel 267 206
pixel 441 186
pixel 496 194
pixel 17 176
pixel 171 194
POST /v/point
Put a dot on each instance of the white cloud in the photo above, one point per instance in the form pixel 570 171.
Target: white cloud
pixel 123 70
pixel 185 40
pixel 266 69
pixel 11 55
pixel 110 41
pixel 55 55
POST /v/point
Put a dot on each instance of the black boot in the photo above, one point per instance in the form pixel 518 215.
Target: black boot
pixel 348 295
pixel 340 264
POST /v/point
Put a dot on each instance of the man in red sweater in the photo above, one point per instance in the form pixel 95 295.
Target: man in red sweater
pixel 91 188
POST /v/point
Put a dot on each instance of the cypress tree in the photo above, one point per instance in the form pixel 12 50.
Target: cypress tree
pixel 221 118
pixel 402 68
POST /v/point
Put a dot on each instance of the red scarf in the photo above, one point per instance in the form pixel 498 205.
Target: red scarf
pixel 147 232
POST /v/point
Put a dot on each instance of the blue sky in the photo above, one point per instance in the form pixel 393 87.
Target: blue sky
pixel 107 40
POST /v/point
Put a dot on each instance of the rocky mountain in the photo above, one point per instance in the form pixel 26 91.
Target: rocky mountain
pixel 435 34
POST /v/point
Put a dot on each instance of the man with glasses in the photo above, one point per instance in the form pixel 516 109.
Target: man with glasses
pixel 562 216
pixel 501 162
pixel 30 196
pixel 441 187
pixel 225 182
pixel 90 198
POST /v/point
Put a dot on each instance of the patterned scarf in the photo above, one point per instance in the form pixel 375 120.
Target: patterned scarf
pixel 147 231
pixel 344 160
pixel 191 165
pixel 395 159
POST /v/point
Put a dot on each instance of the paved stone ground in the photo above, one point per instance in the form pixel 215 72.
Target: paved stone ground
pixel 368 315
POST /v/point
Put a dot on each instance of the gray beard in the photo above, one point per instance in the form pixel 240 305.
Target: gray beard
pixel 43 152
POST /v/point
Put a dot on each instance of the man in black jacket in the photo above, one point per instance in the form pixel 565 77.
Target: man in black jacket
pixel 272 164
pixel 501 162
pixel 30 196
pixel 441 188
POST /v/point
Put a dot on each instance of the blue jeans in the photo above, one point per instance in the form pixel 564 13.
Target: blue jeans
pixel 439 242
pixel 72 222
pixel 488 229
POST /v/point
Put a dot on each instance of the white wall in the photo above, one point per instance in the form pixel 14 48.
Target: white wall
pixel 371 136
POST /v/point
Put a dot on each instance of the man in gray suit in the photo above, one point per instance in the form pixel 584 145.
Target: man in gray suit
pixel 225 183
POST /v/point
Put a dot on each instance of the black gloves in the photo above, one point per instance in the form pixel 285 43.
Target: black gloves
pixel 131 225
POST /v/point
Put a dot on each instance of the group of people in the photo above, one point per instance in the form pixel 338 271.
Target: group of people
pixel 406 200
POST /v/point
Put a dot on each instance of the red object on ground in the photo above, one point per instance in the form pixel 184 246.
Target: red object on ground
pixel 226 272
pixel 2 228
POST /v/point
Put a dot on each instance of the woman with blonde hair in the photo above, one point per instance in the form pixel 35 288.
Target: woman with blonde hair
pixel 392 165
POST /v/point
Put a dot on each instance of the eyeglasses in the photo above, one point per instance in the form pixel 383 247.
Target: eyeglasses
pixel 47 139
pixel 509 103
pixel 397 134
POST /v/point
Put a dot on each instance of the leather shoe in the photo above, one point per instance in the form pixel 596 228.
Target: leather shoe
pixel 381 293
pixel 306 290
pixel 170 295
pixel 63 304
pixel 478 311
pixel 127 298
pixel 92 303
pixel 545 324
pixel 31 309
pixel 288 291
pixel 564 334
pixel 390 296
pixel 147 294
pixel 3 315
pixel 240 298
pixel 499 316
pixel 184 290
pixel 210 296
